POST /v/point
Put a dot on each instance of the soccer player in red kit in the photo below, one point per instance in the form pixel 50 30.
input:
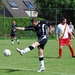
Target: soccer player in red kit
pixel 62 31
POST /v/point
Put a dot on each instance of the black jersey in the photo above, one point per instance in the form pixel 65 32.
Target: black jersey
pixel 40 29
pixel 13 28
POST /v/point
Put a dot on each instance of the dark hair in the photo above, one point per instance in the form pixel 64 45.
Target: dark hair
pixel 62 19
pixel 33 20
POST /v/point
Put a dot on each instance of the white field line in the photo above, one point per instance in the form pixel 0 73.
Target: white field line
pixel 24 69
pixel 59 73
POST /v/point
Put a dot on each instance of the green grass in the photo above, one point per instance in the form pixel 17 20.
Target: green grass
pixel 28 64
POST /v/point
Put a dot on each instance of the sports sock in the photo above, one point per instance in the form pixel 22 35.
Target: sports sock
pixel 12 41
pixel 60 53
pixel 41 60
pixel 17 40
pixel 29 48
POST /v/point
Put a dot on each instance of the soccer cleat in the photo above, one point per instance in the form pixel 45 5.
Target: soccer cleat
pixel 20 51
pixel 41 69
pixel 18 43
pixel 73 56
pixel 59 57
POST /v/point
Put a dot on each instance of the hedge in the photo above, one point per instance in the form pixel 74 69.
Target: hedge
pixel 5 27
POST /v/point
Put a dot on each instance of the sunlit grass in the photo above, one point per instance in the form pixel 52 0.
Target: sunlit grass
pixel 28 64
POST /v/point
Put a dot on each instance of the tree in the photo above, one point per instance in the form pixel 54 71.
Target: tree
pixel 63 8
pixel 1 5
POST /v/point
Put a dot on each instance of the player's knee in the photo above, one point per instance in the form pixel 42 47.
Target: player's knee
pixel 60 47
pixel 36 44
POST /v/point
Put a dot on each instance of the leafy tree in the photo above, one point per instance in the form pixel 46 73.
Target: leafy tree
pixel 1 5
pixel 62 8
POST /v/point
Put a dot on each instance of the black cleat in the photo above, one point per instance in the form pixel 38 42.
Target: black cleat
pixel 18 43
pixel 73 56
pixel 59 57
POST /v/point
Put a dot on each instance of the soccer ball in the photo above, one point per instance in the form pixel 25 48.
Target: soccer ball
pixel 7 52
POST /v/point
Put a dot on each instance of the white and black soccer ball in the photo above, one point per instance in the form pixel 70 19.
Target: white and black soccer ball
pixel 7 52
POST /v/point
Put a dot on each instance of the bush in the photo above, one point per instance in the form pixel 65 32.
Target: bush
pixel 5 27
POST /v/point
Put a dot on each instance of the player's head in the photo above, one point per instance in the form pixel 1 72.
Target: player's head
pixel 63 20
pixel 14 22
pixel 70 23
pixel 34 22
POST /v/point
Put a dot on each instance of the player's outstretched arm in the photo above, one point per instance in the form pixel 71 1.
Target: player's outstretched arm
pixel 72 36
pixel 57 37
pixel 50 29
pixel 20 28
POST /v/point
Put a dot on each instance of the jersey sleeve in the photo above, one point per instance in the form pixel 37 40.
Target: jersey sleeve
pixel 68 29
pixel 29 28
pixel 73 28
pixel 46 22
pixel 57 29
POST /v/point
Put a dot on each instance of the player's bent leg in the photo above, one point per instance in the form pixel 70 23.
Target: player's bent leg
pixel 36 44
pixel 27 49
pixel 16 40
pixel 12 41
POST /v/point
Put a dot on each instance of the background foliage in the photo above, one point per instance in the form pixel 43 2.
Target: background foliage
pixel 5 27
pixel 55 9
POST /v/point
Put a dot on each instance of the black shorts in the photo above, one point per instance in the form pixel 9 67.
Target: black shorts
pixel 42 40
pixel 13 35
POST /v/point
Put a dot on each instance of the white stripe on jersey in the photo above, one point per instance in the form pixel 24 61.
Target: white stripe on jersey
pixel 60 29
pixel 43 28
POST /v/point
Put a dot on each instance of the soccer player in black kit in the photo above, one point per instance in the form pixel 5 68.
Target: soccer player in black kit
pixel 13 33
pixel 40 27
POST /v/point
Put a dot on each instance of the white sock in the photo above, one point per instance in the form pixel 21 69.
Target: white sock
pixel 17 40
pixel 41 62
pixel 12 42
pixel 27 49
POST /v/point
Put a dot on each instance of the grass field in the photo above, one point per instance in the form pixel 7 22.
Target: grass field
pixel 28 64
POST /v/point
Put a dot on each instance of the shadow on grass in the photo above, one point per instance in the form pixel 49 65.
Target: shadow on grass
pixel 47 57
pixel 51 57
pixel 14 70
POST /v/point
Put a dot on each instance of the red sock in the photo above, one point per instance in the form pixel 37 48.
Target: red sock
pixel 72 51
pixel 60 53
